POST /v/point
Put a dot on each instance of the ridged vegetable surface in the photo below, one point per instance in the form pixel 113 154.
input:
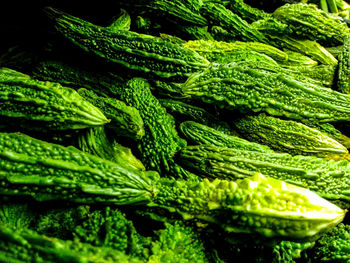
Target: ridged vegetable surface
pixel 202 134
pixel 124 120
pixel 51 172
pixel 161 140
pixel 28 246
pixel 238 28
pixel 78 77
pixel 134 51
pixel 236 87
pixel 288 136
pixel 33 104
pixel 257 204
pixel 343 83
pixel 47 171
pixel 330 179
pixel 308 22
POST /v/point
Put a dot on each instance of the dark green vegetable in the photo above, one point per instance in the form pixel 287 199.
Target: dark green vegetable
pixel 211 48
pixel 161 140
pixel 329 179
pixel 308 22
pixel 67 74
pixel 201 134
pixel 16 215
pixel 124 120
pixel 279 36
pixel 217 14
pixel 26 246
pixel 178 243
pixel 343 83
pixel 134 51
pixel 236 87
pixel 289 136
pixel 47 171
pixel 51 172
pixel 39 105
pixel 247 12
pixel 333 246
pixel 103 227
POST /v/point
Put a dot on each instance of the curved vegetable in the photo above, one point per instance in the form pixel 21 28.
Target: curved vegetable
pixel 34 104
pixel 134 51
pixel 237 87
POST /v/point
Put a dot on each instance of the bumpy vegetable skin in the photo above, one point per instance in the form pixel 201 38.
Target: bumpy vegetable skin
pixel 26 246
pixel 236 87
pixel 48 171
pixel 202 134
pixel 254 205
pixel 34 104
pixel 329 178
pixel 309 22
pixel 288 136
pixel 124 120
pixel 134 51
pixel 161 140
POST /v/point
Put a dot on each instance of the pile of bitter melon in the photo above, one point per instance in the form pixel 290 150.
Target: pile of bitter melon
pixel 176 131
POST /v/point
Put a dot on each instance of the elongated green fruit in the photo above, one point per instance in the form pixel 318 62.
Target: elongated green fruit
pixel 212 46
pixel 309 22
pixel 236 87
pixel 95 141
pixel 217 14
pixel 48 171
pixel 161 140
pixel 329 179
pixel 64 73
pixel 38 105
pixel 202 134
pixel 125 120
pixel 332 132
pixel 288 136
pixel 255 205
pixel 343 83
pixel 134 51
pixel 296 59
pixel 279 35
pixel 23 246
pixel 184 111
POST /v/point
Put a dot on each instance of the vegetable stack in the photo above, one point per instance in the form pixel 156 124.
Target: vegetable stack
pixel 177 131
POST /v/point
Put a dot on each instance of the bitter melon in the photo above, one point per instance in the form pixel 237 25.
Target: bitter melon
pixel 289 136
pixel 122 22
pixel 308 22
pixel 143 53
pixel 107 84
pixel 255 205
pixel 219 15
pixel 209 48
pixel 246 11
pixel 343 84
pixel 328 178
pixel 279 36
pixel 161 140
pixel 124 120
pixel 237 87
pixel 201 134
pixel 33 104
